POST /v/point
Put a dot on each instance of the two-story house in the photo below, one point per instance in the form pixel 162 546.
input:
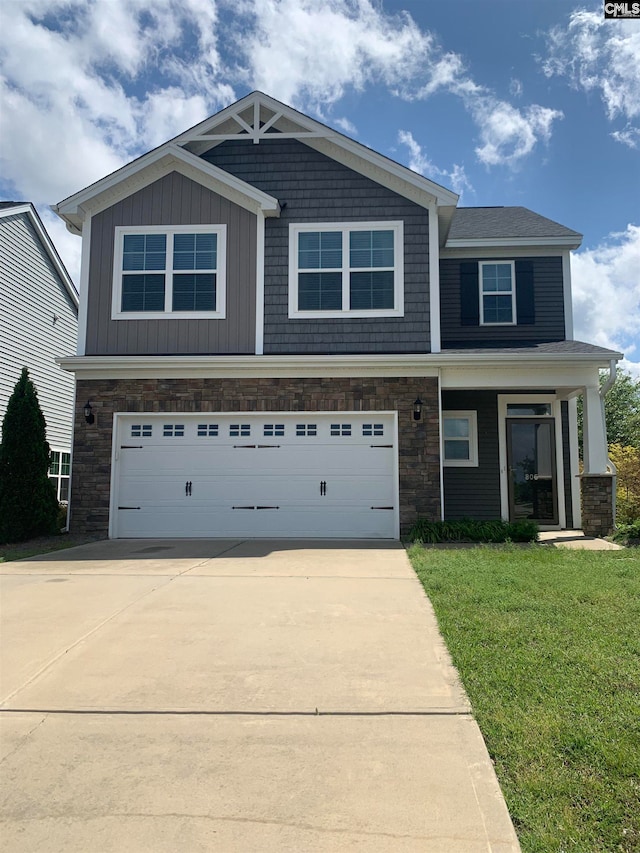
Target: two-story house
pixel 38 321
pixel 284 333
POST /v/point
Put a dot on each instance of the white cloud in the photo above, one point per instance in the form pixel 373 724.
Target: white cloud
pixel 606 294
pixel 596 56
pixel 332 46
pixel 336 45
pixel 420 162
pixel 74 79
pixel 629 136
pixel 509 134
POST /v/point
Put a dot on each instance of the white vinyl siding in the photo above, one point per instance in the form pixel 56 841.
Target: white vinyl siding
pixel 346 269
pixel 39 323
pixel 162 272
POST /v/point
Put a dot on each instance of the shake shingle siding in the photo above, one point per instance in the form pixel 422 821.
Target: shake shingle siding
pixel 313 188
pixel 548 296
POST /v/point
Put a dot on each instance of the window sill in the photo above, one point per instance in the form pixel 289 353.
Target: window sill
pixel 168 315
pixel 346 315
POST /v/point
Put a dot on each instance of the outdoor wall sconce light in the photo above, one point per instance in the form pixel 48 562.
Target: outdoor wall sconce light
pixel 417 409
pixel 88 412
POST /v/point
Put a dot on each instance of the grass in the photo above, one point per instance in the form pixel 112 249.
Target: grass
pixel 547 643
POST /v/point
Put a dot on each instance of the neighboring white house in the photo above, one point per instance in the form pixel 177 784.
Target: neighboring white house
pixel 38 321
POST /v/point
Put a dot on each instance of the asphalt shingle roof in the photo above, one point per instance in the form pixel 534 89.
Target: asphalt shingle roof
pixel 502 222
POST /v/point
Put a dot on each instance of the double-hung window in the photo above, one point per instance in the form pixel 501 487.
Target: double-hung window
pixel 162 272
pixel 460 439
pixel 346 270
pixel 497 293
pixel 59 473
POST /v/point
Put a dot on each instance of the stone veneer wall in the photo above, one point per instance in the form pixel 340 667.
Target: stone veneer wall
pixel 419 441
pixel 597 504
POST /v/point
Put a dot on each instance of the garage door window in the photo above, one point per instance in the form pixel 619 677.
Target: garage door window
pixel 207 430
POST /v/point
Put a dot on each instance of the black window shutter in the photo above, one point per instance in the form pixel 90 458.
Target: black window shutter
pixel 525 303
pixel 469 297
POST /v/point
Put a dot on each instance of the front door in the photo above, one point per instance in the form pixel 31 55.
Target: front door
pixel 532 469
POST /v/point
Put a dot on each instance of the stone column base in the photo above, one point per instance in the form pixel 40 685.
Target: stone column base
pixel 597 504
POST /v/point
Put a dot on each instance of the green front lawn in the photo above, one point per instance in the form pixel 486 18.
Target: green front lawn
pixel 547 643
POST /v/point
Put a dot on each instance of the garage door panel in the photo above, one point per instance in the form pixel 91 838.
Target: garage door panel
pixel 256 523
pixel 225 491
pixel 319 484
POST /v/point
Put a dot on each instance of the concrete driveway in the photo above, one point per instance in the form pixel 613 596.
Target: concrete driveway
pixel 235 696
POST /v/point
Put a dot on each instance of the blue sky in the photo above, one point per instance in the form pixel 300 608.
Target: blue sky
pixel 534 103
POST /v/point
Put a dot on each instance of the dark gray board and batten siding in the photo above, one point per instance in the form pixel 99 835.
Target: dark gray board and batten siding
pixel 174 200
pixel 548 307
pixel 314 188
pixel 475 492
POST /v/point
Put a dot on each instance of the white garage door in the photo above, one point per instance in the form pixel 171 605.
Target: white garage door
pixel 272 475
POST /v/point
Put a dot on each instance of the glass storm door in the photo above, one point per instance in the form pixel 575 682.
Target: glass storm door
pixel 532 469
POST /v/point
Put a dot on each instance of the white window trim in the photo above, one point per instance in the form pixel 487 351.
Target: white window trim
pixel 168 313
pixel 512 293
pixel 59 477
pixel 472 461
pixel 397 226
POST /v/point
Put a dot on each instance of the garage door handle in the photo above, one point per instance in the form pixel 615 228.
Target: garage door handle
pixel 187 488
pixel 323 487
pixel 267 507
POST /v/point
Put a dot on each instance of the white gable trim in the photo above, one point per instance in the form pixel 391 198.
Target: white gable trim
pixel 467 242
pixel 152 166
pixel 49 248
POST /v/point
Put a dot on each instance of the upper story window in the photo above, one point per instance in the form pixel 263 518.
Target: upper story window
pixel 162 272
pixel 497 293
pixel 346 270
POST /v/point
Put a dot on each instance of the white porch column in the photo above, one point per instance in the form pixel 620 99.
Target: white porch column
pixel 593 433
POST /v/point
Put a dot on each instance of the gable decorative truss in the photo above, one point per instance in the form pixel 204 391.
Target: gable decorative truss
pixel 153 166
pixel 259 117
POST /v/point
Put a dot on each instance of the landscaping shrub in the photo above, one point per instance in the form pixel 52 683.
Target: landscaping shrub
pixel 628 534
pixel 28 503
pixel 470 530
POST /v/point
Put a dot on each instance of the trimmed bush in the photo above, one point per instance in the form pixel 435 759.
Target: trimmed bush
pixel 28 503
pixel 469 530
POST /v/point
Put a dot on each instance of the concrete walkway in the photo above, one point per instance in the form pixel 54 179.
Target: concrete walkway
pixel 235 696
pixel 576 539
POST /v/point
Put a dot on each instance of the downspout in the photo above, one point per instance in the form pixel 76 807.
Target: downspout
pixel 613 369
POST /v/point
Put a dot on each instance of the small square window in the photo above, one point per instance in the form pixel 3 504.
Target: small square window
pixel 306 429
pixel 207 430
pixel 273 430
pixel 240 430
pixel 460 439
pixel 173 430
pixel 372 429
pixel 340 429
pixel 141 431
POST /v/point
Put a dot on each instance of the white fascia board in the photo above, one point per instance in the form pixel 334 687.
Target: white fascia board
pixel 493 251
pixel 154 165
pixel 49 248
pixel 567 242
pixel 493 370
